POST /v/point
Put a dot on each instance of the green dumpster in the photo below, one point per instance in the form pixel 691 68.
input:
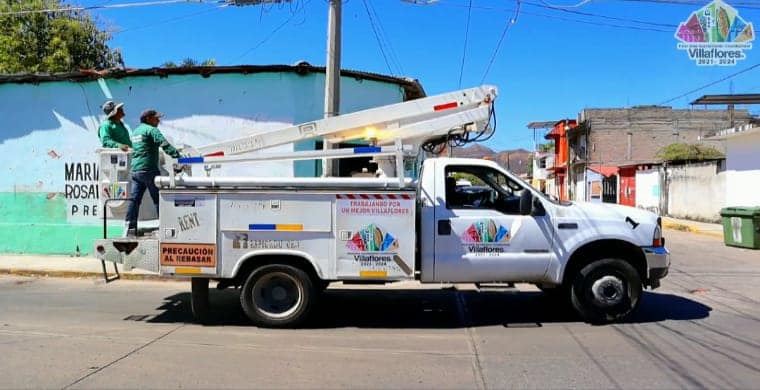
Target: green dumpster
pixel 741 226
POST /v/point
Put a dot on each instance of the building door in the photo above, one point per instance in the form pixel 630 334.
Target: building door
pixel 628 187
pixel 609 189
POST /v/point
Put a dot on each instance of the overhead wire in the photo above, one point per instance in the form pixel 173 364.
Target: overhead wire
pixel 582 3
pixel 384 37
pixel 509 25
pixel 273 32
pixel 377 36
pixel 464 49
pixel 619 19
pixel 94 7
pixel 732 75
pixel 170 20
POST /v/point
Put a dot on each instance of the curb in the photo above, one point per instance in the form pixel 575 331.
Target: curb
pixel 689 228
pixel 86 275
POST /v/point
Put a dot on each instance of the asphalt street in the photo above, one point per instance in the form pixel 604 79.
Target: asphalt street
pixel 699 330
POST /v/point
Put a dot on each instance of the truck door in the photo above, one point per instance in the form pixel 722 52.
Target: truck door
pixel 480 235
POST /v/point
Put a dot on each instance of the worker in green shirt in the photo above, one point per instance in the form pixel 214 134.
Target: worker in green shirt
pixel 112 132
pixel 146 139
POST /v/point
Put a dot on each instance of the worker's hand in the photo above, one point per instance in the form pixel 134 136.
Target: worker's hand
pixel 124 148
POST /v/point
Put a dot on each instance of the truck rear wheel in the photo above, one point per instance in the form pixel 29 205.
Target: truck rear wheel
pixel 277 296
pixel 199 301
pixel 606 290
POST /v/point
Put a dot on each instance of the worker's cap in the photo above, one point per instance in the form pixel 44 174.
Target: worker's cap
pixel 150 114
pixel 110 108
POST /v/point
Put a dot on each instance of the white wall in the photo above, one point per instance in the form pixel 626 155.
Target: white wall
pixel 743 170
pixel 648 189
pixel 696 191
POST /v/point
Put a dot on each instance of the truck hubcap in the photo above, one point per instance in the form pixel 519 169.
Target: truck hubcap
pixel 608 290
pixel 277 295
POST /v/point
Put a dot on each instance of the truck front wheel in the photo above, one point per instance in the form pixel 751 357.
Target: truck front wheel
pixel 277 296
pixel 606 290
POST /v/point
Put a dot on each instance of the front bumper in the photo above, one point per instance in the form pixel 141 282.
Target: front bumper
pixel 658 264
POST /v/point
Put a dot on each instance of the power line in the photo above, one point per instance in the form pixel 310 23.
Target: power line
pixel 384 37
pixel 273 32
pixel 464 49
pixel 377 37
pixel 739 5
pixel 170 20
pixel 639 21
pixel 93 7
pixel 732 75
pixel 598 24
pixel 582 21
pixel 582 3
pixel 509 25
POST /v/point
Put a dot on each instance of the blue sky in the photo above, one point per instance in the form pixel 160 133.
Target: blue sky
pixel 550 65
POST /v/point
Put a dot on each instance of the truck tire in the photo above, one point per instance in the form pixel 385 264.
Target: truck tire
pixel 606 290
pixel 277 296
pixel 199 301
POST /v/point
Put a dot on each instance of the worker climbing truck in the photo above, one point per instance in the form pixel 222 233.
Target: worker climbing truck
pixel 282 240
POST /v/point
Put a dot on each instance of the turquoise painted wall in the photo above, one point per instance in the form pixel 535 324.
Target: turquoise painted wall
pixel 52 125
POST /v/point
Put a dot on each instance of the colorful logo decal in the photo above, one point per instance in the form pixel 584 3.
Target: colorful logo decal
pixel 114 191
pixel 715 35
pixel 372 239
pixel 485 231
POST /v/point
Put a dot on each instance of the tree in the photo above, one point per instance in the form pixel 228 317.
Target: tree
pixel 189 63
pixel 688 152
pixel 63 41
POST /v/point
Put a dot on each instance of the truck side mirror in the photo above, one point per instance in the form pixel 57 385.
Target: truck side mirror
pixel 526 202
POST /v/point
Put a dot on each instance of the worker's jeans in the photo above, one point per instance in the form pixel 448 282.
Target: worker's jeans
pixel 141 180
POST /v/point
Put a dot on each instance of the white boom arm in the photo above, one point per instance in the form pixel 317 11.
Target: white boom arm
pixel 415 120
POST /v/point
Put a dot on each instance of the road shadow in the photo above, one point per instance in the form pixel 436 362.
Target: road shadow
pixel 445 308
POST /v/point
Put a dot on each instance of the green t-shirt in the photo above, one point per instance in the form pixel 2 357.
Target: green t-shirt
pixel 146 140
pixel 113 134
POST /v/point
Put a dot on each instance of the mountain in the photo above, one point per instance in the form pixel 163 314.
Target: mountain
pixel 516 160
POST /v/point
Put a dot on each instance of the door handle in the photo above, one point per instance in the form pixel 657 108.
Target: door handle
pixel 444 227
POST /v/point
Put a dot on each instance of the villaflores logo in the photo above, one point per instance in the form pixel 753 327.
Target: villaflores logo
pixel 715 35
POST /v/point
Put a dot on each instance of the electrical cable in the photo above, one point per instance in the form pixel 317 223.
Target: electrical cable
pixel 273 32
pixel 619 19
pixel 732 75
pixel 383 37
pixel 458 137
pixel 170 20
pixel 464 49
pixel 377 37
pixel 102 6
pixel 582 3
pixel 501 39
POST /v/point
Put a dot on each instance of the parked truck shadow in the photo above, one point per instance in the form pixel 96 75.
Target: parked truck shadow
pixel 447 308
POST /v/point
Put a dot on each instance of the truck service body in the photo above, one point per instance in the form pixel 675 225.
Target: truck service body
pixel 283 240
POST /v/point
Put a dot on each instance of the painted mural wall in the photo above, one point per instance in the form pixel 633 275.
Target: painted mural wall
pixel 743 170
pixel 49 198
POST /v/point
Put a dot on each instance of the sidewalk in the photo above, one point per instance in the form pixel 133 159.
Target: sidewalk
pixel 65 266
pixel 685 225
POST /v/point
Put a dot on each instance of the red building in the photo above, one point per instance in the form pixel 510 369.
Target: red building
pixel 558 172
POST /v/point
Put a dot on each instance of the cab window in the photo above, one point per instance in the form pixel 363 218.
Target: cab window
pixel 476 187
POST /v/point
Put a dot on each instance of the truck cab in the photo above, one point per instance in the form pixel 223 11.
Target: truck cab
pixel 504 230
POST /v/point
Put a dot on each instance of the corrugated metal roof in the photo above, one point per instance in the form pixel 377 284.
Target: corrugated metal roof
pixel 744 98
pixel 412 88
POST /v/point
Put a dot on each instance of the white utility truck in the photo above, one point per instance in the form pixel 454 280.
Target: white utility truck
pixel 434 220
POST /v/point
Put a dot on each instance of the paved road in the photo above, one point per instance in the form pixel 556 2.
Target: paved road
pixel 700 330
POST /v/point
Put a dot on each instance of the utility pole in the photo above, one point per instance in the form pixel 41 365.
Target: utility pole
pixel 332 73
